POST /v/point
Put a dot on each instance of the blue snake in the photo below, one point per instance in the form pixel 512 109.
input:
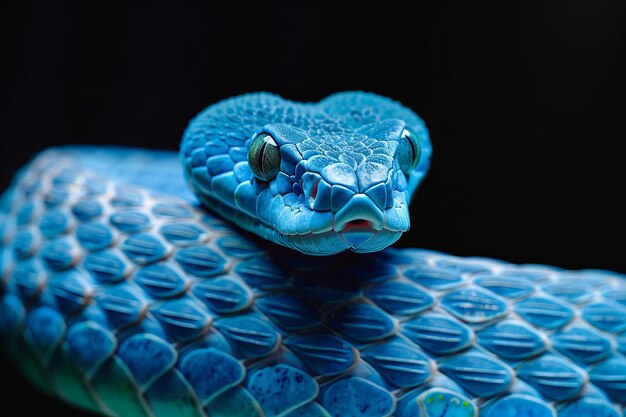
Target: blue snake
pixel 259 280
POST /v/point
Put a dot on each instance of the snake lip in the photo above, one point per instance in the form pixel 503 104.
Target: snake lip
pixel 357 224
pixel 357 231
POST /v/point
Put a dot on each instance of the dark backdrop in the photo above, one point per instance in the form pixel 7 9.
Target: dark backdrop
pixel 525 103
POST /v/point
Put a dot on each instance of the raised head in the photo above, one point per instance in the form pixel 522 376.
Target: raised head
pixel 320 178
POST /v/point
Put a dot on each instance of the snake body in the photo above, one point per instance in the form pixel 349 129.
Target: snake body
pixel 120 294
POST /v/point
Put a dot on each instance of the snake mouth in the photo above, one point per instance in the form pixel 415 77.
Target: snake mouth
pixel 357 231
pixel 358 223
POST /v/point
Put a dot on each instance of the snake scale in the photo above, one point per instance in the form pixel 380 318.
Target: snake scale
pixel 277 294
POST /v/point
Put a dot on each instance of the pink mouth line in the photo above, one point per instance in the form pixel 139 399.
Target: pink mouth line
pixel 358 224
pixel 357 231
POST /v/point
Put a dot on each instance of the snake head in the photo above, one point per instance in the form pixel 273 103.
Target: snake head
pixel 323 178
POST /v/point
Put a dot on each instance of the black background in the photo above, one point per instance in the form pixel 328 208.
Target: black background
pixel 525 103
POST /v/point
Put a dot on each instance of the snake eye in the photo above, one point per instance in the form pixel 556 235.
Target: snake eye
pixel 264 157
pixel 409 151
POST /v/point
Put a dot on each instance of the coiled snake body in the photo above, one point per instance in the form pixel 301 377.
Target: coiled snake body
pixel 123 296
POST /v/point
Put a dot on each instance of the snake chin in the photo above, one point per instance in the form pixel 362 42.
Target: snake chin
pixel 332 243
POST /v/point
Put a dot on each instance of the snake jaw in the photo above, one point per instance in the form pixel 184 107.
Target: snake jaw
pixel 359 226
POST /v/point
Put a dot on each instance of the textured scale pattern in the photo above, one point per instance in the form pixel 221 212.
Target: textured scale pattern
pixel 128 302
pixel 149 306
